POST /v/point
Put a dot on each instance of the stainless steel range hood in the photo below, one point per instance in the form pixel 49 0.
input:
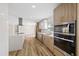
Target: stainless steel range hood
pixel 20 20
pixel 20 27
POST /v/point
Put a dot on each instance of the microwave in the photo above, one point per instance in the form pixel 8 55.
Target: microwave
pixel 69 28
pixel 65 28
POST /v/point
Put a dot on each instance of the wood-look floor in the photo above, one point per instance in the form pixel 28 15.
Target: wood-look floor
pixel 32 47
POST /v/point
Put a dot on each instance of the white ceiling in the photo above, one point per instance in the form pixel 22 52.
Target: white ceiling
pixel 25 10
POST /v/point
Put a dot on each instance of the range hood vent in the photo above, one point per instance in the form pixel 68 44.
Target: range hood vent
pixel 20 21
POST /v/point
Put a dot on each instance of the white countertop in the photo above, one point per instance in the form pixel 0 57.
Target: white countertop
pixel 51 35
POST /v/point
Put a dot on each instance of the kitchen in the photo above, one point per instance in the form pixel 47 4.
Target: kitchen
pixel 42 29
pixel 64 30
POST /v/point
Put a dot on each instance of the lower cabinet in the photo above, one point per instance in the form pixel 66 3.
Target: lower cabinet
pixel 48 41
pixel 40 37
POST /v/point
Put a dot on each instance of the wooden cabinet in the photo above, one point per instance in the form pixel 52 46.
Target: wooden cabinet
pixel 37 29
pixel 77 41
pixel 43 24
pixel 40 37
pixel 69 12
pixel 66 12
pixel 48 41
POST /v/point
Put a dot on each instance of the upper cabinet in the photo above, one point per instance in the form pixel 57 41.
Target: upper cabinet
pixel 43 24
pixel 66 12
pixel 46 25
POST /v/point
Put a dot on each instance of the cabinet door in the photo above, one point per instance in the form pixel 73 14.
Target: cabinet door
pixel 39 37
pixel 48 41
pixel 69 12
pixel 74 11
pixel 66 12
pixel 70 9
pixel 56 16
pixel 59 14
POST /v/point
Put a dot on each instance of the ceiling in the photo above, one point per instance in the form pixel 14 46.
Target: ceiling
pixel 25 10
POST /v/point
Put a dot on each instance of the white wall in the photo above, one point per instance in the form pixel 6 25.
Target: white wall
pixel 29 31
pixel 29 27
pixel 3 29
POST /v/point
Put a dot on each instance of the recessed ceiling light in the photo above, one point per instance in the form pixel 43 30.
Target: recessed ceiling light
pixel 33 6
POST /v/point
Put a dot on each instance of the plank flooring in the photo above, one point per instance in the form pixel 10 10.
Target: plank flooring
pixel 32 47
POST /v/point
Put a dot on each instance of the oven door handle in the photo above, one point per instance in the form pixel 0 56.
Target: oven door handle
pixel 64 39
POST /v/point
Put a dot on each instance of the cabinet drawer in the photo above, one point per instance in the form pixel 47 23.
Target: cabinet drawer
pixel 48 41
pixel 39 36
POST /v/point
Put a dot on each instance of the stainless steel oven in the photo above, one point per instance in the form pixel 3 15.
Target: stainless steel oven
pixel 65 44
pixel 65 38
